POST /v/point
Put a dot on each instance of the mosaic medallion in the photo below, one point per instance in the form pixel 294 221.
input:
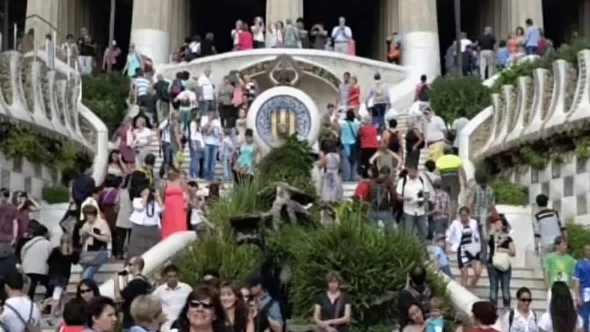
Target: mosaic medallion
pixel 280 116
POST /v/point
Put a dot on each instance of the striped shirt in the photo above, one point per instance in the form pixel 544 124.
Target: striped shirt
pixel 142 85
pixel 547 226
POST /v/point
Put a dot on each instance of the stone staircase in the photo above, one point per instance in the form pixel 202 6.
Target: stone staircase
pixel 521 277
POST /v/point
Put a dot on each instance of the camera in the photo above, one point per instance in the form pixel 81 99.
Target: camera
pixel 421 197
pixel 123 273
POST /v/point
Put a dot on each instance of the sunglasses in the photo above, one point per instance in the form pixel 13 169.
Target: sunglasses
pixel 196 304
pixel 526 300
pixel 85 290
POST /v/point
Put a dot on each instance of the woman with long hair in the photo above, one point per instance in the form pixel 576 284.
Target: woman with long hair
pixel 348 139
pixel 202 312
pixel 108 200
pixel 237 313
pixel 25 206
pixel 562 315
pixel 60 263
pixel 173 193
pixel 87 289
pixel 332 190
pixel 464 237
pixel 501 249
pixel 123 224
pixel 332 309
pixel 142 138
pixel 146 223
pixel 416 319
pixel 116 165
pixel 125 137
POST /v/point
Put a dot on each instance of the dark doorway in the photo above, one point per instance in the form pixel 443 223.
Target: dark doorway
pixel 561 20
pixel 17 11
pixel 100 27
pixel 359 14
pixel 445 11
pixel 220 16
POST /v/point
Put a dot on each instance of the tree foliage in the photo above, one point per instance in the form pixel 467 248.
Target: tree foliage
pixel 452 97
pixel 105 95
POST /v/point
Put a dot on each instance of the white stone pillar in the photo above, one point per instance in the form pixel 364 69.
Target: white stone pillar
pixel 389 23
pixel 149 29
pixel 584 18
pixel 419 29
pixel 47 20
pixel 281 10
pixel 520 10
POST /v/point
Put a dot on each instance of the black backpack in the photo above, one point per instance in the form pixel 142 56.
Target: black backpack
pixel 393 142
pixel 424 93
pixel 380 200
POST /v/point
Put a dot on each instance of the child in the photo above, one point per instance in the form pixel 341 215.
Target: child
pixel 440 254
pixel 435 323
pixel 227 153
pixel 247 156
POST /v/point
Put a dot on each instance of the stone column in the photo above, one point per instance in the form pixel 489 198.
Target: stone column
pixel 520 10
pixel 48 19
pixel 419 28
pixel 281 10
pixel 584 18
pixel 389 23
pixel 149 29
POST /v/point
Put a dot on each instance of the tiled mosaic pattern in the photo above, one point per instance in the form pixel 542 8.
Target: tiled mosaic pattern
pixel 567 185
pixel 29 177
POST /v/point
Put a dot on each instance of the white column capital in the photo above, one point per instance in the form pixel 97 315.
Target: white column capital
pixel 150 29
pixel 281 10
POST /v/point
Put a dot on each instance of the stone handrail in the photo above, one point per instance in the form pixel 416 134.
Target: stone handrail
pixel 50 100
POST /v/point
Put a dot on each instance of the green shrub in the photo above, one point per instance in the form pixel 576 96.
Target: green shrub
pixel 509 193
pixel 373 264
pixel 577 237
pixel 56 194
pixel 535 156
pixel 219 254
pixel 240 200
pixel 291 163
pixel 452 96
pixel 105 95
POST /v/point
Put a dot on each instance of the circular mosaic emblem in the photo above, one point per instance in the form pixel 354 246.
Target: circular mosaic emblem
pixel 280 116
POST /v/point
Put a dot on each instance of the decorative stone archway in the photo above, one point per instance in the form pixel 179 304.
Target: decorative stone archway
pixel 287 71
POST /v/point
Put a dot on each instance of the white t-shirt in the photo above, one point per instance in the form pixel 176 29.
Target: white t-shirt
pixel 142 137
pixel 411 189
pixel 145 215
pixel 546 324
pixel 207 88
pixel 464 43
pixel 22 305
pixel 172 299
pixel 435 129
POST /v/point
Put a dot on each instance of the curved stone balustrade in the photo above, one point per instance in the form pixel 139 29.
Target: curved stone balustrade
pixel 548 104
pixel 49 99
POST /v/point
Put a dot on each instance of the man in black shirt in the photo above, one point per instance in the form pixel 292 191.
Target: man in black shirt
pixel 487 59
pixel 87 49
pixel 137 285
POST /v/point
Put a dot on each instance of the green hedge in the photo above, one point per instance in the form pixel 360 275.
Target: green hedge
pixel 507 192
pixel 56 194
pixel 105 95
pixel 452 96
pixel 577 237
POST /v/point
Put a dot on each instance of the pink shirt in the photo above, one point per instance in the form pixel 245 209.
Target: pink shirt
pixel 245 41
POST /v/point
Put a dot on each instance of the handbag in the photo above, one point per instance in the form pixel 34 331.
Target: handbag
pixel 500 260
pixel 88 258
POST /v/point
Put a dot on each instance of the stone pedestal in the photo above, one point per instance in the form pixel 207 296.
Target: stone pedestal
pixel 419 27
pixel 150 28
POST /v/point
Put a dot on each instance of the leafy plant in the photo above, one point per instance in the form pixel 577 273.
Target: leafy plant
pixel 582 147
pixel 452 97
pixel 536 157
pixel 241 200
pixel 577 237
pixel 56 194
pixel 220 254
pixel 291 163
pixel 105 95
pixel 507 192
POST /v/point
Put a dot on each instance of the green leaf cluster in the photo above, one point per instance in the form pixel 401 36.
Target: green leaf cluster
pixel 582 147
pixel 577 237
pixel 507 192
pixel 45 148
pixel 568 53
pixel 451 97
pixel 105 95
pixel 291 163
pixel 56 194
pixel 536 157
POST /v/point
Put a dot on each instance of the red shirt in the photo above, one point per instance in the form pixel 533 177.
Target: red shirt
pixel 362 190
pixel 368 136
pixel 245 41
pixel 354 96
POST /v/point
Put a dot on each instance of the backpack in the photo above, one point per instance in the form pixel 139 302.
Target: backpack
pixel 393 142
pixel 380 94
pixel 424 93
pixel 511 318
pixel 380 197
pixel 29 323
pixel 176 88
pixel 423 299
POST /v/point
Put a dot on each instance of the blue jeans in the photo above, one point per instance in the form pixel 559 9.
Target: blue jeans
pixel 531 50
pixel 415 224
pixel 584 311
pixel 348 168
pixel 210 159
pixel 502 279
pixel 205 106
pixel 90 271
pixel 195 162
pixel 386 217
pixel 8 265
pixel 446 270
pixel 379 116
pixel 227 171
pixel 168 156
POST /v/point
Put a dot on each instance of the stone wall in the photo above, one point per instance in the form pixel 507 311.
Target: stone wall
pixel 24 175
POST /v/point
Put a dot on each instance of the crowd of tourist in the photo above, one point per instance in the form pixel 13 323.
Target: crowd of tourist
pixel 486 55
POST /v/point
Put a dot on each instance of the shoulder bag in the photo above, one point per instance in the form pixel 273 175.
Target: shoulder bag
pixel 500 260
